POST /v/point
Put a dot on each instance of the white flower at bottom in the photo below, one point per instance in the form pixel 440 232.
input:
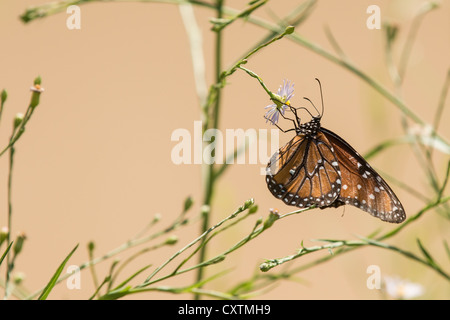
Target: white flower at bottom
pixel 398 288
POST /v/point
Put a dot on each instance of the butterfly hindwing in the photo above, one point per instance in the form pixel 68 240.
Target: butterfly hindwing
pixel 305 172
pixel 362 186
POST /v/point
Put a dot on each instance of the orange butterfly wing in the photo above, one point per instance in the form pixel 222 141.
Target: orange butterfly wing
pixel 305 172
pixel 362 186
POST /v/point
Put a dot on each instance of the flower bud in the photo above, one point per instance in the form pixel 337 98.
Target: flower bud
pixel 3 234
pixel 18 120
pixel 37 90
pixel 18 244
pixel 18 278
pixel 253 209
pixel 273 216
pixel 188 203
pixel 171 240
pixel 91 246
pixel 4 95
pixel 156 218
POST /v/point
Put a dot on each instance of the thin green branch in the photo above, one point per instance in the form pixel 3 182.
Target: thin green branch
pixel 344 246
pixel 91 248
pixel 196 42
pixel 439 110
pixel 169 241
pixel 340 244
pixel 415 26
pixel 220 23
pixel 3 97
pixel 9 263
pixel 251 210
pixel 179 221
pixel 247 205
pixel 19 126
pixel 210 176
pixel 335 44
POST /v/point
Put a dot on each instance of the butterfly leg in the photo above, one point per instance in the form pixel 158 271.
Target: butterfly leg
pixel 286 118
pixel 284 131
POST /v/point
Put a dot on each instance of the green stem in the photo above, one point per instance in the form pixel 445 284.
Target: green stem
pixel 200 238
pixel 3 96
pixel 347 248
pixel 127 245
pixel 210 178
pixel 8 239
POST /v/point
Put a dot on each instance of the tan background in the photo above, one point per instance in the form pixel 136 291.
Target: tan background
pixel 94 163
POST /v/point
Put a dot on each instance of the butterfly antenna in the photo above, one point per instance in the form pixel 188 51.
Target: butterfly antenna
pixel 321 96
pixel 313 106
pixel 305 110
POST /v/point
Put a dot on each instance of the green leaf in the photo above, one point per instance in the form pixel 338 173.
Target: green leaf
pixel 5 253
pixel 116 294
pixel 447 248
pixel 426 253
pixel 129 279
pixel 55 277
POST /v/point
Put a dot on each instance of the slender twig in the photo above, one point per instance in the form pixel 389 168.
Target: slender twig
pixel 404 58
pixel 439 110
pixel 198 239
pixel 8 239
pixel 91 247
pixel 334 43
pixel 3 97
pixel 195 40
pixel 346 246
pixel 210 179
pixel 180 221
pixel 333 244
pixel 18 129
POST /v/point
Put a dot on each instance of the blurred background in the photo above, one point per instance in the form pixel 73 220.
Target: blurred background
pixel 95 161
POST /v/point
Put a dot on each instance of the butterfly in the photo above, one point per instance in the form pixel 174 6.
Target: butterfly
pixel 317 167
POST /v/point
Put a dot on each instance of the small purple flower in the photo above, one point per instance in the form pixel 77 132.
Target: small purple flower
pixel 284 95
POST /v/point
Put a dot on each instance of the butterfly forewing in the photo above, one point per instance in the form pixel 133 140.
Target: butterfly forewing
pixel 361 186
pixel 305 172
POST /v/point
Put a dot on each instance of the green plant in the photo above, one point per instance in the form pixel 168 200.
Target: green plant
pixel 423 146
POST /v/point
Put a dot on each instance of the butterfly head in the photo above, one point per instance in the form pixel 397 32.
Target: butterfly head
pixel 312 127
